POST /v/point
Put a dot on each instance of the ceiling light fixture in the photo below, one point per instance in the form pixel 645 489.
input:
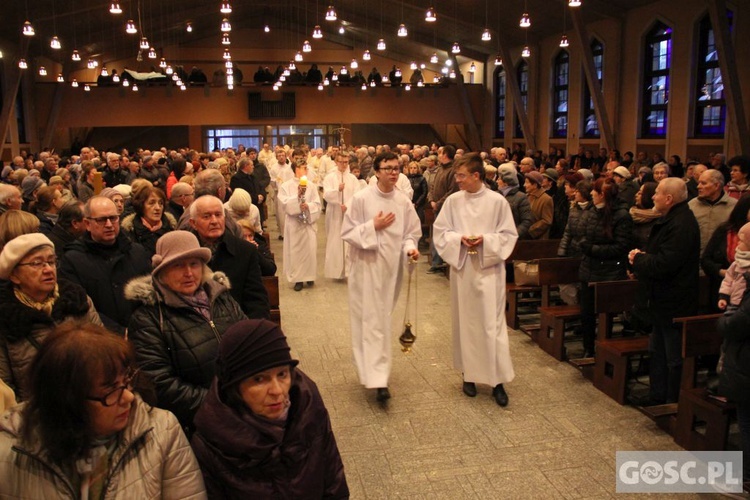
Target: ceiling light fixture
pixel 131 29
pixel 60 78
pixel 306 47
pixel 144 45
pixel 104 71
pixel 42 71
pixel 189 27
pixel 225 39
pixel 430 16
pixel 225 26
pixel 169 69
pixel 331 14
pixel 74 83
pixel 366 56
pixel 226 8
pixel 354 64
pixel 525 20
pixel 317 32
pixel 163 63
pixel 564 41
pixel 434 58
pixel 413 65
pixel 152 53
pixel 267 28
pixel 115 78
pixel 87 88
pixel 298 57
pixel 28 29
pixel 227 55
pixel 402 32
pixel 90 64
pixel 75 56
pixel 486 35
pixel 54 43
pixel 498 60
pixel 456 49
pixel 472 67
pixel 342 30
pixel 574 3
pixel 114 8
pixel 526 51
pixel 381 44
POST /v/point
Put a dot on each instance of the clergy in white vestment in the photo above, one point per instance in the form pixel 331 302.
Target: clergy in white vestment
pixel 338 189
pixel 403 184
pixel 475 233
pixel 300 203
pixel 280 172
pixel 383 229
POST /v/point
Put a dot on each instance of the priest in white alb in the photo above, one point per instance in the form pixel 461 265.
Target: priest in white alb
pixel 383 229
pixel 300 203
pixel 338 189
pixel 475 233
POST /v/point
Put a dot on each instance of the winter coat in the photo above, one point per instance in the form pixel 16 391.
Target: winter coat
pixel 668 270
pixel 23 328
pixel 542 207
pixel 561 213
pixel 114 178
pixel 713 260
pixel 734 284
pixel 46 225
pixel 240 261
pixel 570 243
pixel 246 456
pixel 734 381
pixel 60 238
pixel 175 345
pixel 152 459
pixel 103 271
pixel 711 215
pixel 521 210
pixel 133 227
pixel 604 258
pixel 627 191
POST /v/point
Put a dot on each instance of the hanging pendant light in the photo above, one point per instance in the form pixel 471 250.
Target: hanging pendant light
pixel 574 3
pixel 90 64
pixel 151 53
pixel 306 47
pixel 225 26
pixel 320 86
pixel 163 63
pixel 267 29
pixel 87 88
pixel 472 67
pixel 342 30
pixel 456 49
pixel 452 74
pixel 335 77
pixel 317 32
pixel 344 71
pixel 525 20
pixel 183 87
pixel 74 83
pixel 326 82
pixel 230 72
pixel 407 87
pixel 285 73
pixel 54 43
pixel 76 56
pixel 134 87
pixel 169 69
pixel 114 8
pixel 28 29
pixel 402 30
pixel 434 58
pixel 42 71
pixel 130 27
pixel 298 56
pixel 226 8
pixel 498 60
pixel 564 41
pixel 144 45
pixel 413 65
pixel 104 71
pixel 115 78
pixel 230 86
pixel 227 55
pixel 126 83
pixel 381 44
pixel 430 16
pixel 276 86
pixel 354 64
pixel 373 84
pixel 420 83
pixel 175 78
pixel 225 39
pixel 228 64
pixel 526 51
pixel 292 66
pixel 398 73
pixel 331 14
pixel 60 78
pixel 486 35
pixel 366 56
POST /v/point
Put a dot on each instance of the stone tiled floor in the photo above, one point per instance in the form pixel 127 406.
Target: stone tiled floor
pixel 556 439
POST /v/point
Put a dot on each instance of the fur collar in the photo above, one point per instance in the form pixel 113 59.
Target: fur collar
pixel 142 289
pixel 128 222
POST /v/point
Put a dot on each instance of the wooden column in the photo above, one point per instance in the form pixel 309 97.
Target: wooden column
pixel 13 81
pixel 589 69
pixel 717 10
pixel 511 82
pixel 473 139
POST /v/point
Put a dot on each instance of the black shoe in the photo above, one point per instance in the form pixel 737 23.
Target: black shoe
pixel 298 286
pixel 310 283
pixel 383 394
pixel 433 270
pixel 501 397
pixel 470 389
pixel 281 237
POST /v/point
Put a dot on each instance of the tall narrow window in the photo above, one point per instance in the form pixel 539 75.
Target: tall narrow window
pixel 522 74
pixel 656 81
pixel 560 97
pixel 500 91
pixel 590 123
pixel 710 104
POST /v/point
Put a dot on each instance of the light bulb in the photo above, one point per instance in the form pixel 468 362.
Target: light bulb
pixel 456 49
pixel 226 8
pixel 525 20
pixel 342 30
pixel 151 53
pixel 331 14
pixel 42 71
pixel 526 52
pixel 114 8
pixel 267 28
pixel 366 56
pixel 472 67
pixel 74 83
pixel 225 26
pixel 449 62
pixel 130 27
pixel 298 56
pixel 381 44
pixel 60 78
pixel 306 47
pixel 354 64
pixel 28 29
pixel 189 27
pixel 486 35
pixel 183 87
pixel 574 3
pixel 402 30
pixel 276 86
pixel 54 43
pixel 564 41
pixel 317 32
pixel 434 58
pixel 407 87
pixel 230 86
pixel 144 45
pixel 87 88
pixel 225 39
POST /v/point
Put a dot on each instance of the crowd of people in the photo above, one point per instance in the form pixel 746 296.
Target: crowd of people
pixel 153 261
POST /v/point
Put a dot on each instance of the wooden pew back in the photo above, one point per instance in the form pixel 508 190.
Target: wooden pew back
pixel 271 283
pixel 700 337
pixel 534 249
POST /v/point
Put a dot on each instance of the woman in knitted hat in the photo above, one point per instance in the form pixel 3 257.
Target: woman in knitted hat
pixel 184 310
pixel 263 430
pixel 32 301
pixel 29 188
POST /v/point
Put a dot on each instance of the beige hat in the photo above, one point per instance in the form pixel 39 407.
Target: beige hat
pixel 622 172
pixel 18 248
pixel 176 245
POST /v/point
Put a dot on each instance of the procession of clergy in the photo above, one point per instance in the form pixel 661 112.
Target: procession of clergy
pixel 373 230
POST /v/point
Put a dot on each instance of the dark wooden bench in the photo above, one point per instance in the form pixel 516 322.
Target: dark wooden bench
pixel 525 250
pixel 551 334
pixel 612 368
pixel 697 408
pixel 271 283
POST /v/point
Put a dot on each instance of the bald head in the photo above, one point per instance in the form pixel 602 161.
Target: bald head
pixel 674 187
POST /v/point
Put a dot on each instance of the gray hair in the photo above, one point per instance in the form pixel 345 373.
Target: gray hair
pixel 6 192
pixel 676 187
pixel 208 181
pixel 202 199
pixel 716 176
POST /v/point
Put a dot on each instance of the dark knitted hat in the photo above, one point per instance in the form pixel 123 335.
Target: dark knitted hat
pixel 249 347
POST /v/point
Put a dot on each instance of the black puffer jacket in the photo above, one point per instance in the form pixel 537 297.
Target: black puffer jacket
pixel 175 345
pixel 604 257
pixel 245 456
pixel 520 207
pixel 133 226
pixel 734 382
pixel 575 230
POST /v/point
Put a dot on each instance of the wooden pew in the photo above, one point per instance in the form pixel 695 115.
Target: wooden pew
pixel 700 337
pixel 551 335
pixel 525 250
pixel 272 288
pixel 612 368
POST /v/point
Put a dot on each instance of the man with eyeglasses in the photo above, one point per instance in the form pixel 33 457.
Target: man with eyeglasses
pixel 383 229
pixel 103 262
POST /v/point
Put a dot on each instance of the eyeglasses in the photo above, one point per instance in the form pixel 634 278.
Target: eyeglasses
pixel 185 194
pixel 389 170
pixel 103 220
pixel 39 264
pixel 115 395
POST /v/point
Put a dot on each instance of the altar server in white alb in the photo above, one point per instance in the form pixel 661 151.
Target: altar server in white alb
pixel 383 229
pixel 300 202
pixel 338 189
pixel 280 172
pixel 475 234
